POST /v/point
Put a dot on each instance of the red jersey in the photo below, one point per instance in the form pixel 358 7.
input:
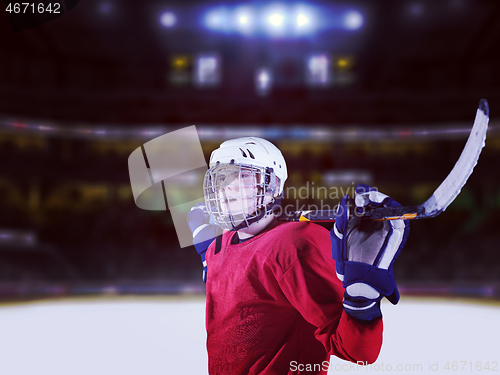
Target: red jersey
pixel 274 305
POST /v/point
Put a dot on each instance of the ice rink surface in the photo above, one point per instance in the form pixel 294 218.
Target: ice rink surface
pixel 166 335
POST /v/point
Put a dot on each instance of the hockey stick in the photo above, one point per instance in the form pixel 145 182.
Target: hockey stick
pixel 442 196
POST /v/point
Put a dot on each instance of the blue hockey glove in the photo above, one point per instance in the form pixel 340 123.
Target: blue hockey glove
pixel 365 250
pixel 204 231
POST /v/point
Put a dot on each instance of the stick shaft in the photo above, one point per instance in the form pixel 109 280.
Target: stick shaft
pixel 384 213
pixel 442 196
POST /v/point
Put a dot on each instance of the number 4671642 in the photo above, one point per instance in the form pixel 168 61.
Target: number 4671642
pixel 33 8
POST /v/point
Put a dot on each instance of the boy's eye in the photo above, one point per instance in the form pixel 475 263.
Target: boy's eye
pixel 220 178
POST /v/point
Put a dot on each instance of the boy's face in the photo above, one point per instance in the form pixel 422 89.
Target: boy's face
pixel 236 193
pixel 241 190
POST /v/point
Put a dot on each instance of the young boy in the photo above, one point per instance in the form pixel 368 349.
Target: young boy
pixel 275 300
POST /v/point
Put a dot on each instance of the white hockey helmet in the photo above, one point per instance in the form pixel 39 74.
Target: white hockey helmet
pixel 252 151
pixel 257 156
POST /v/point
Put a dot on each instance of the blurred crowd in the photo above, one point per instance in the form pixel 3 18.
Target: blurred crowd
pixel 77 202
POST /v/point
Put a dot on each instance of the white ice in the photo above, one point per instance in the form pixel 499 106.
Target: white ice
pixel 153 336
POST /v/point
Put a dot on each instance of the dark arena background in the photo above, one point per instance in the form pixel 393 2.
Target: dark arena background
pixel 383 93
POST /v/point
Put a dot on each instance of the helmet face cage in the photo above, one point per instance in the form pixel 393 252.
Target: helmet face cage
pixel 236 195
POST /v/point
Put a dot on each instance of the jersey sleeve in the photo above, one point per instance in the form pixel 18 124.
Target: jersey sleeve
pixel 310 284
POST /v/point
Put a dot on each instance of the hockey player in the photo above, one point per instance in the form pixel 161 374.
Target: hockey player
pixel 277 301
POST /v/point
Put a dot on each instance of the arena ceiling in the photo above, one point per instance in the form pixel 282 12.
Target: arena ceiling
pixel 109 61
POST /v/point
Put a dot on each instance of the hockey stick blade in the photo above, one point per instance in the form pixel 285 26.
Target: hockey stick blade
pixel 442 196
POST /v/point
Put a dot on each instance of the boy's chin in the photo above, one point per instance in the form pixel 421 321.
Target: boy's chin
pixel 237 218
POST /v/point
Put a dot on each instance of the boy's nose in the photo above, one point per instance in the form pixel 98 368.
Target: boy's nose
pixel 233 185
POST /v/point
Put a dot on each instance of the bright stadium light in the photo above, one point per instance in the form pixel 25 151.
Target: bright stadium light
pixel 353 20
pixel 276 19
pixel 302 20
pixel 244 19
pixel 216 19
pixel 168 19
pixel 263 81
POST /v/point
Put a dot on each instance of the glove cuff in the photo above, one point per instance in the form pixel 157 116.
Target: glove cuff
pixel 380 279
pixel 361 309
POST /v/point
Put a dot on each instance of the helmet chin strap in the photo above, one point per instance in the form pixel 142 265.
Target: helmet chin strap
pixel 270 207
